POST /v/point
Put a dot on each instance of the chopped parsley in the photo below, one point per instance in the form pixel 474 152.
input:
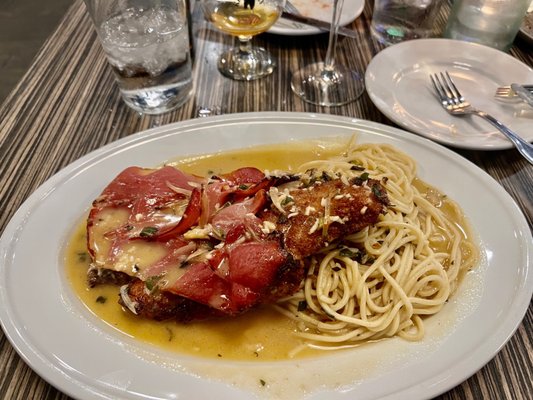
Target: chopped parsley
pixel 148 231
pixel 82 256
pixel 359 180
pixel 170 333
pixel 347 252
pixel 287 200
pixel 378 191
pixel 151 282
pixel 356 167
pixel 101 299
pixel 325 176
pixel 364 176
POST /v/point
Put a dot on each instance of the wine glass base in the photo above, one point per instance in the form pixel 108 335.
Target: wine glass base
pixel 246 65
pixel 322 86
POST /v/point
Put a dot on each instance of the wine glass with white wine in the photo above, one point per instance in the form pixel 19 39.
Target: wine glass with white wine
pixel 328 83
pixel 244 19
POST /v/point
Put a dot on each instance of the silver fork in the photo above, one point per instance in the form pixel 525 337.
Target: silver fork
pixel 506 92
pixel 453 101
pixel 291 8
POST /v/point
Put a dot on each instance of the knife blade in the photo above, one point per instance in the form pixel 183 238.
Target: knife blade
pixel 322 25
pixel 523 93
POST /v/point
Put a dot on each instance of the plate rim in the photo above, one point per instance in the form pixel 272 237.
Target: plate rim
pixel 380 103
pixel 309 30
pixel 17 339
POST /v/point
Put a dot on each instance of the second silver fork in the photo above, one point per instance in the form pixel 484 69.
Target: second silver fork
pixel 291 8
pixel 506 92
pixel 453 101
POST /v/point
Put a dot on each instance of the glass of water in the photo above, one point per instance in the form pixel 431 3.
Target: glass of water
pixel 147 46
pixel 493 23
pixel 395 21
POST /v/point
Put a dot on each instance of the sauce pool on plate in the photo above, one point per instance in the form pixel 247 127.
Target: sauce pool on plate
pixel 263 334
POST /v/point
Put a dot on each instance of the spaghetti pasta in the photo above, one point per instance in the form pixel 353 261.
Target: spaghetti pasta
pixel 384 280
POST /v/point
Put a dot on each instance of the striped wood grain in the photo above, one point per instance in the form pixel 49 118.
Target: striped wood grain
pixel 67 105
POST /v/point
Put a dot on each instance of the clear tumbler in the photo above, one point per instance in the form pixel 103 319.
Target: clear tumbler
pixel 493 23
pixel 394 21
pixel 147 46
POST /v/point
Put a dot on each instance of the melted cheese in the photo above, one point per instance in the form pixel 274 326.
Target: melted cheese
pixel 105 221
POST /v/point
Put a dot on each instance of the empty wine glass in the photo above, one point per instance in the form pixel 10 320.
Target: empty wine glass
pixel 326 83
pixel 244 19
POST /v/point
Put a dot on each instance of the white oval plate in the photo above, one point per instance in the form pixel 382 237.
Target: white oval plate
pixel 319 9
pixel 82 356
pixel 397 81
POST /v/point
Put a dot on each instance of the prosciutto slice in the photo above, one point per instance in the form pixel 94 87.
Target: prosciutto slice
pixel 188 247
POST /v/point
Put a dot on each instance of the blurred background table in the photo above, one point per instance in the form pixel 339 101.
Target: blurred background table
pixel 67 105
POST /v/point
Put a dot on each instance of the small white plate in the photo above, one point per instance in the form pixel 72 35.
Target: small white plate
pixel 87 359
pixel 319 9
pixel 397 81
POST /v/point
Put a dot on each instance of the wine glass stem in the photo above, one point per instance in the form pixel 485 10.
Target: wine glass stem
pixel 245 45
pixel 329 63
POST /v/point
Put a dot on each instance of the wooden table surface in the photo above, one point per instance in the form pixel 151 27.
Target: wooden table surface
pixel 67 105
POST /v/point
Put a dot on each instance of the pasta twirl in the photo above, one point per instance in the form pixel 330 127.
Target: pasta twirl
pixel 382 281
